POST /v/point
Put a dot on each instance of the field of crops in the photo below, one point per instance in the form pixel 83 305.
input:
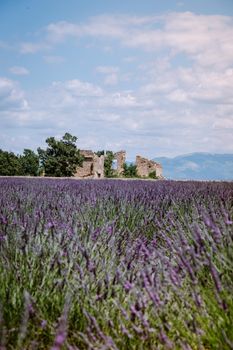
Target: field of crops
pixel 115 264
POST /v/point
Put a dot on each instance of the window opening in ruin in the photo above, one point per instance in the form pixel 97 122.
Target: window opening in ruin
pixel 114 164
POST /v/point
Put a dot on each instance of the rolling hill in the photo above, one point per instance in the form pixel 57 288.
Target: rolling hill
pixel 198 166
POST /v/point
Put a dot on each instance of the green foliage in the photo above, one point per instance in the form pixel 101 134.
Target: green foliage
pixel 9 164
pixel 29 163
pixel 109 157
pixel 14 165
pixel 153 175
pixel 130 170
pixel 61 157
pixel 100 153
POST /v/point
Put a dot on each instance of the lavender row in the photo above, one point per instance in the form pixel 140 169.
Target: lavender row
pixel 115 264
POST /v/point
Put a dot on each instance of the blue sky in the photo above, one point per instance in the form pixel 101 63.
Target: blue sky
pixel 151 77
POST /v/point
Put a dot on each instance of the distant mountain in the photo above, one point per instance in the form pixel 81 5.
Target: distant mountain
pixel 198 166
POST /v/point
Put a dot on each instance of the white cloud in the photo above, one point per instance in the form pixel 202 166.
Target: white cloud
pixel 111 79
pixel 53 59
pixel 111 74
pixel 14 112
pixel 191 85
pixel 17 70
pixel 57 32
pixel 205 38
pixel 33 47
pixel 123 119
pixel 129 59
pixel 107 69
pixel 214 87
pixel 179 101
pixel 100 26
pixel 78 88
pixel 12 97
pixel 223 123
pixel 177 95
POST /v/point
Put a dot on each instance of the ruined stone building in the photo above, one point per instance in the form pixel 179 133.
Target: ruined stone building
pixel 145 167
pixel 120 159
pixel 93 165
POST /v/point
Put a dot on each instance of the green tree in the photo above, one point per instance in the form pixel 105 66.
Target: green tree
pixel 108 170
pixel 29 163
pixel 61 157
pixel 130 170
pixel 9 164
pixel 100 153
pixel 153 175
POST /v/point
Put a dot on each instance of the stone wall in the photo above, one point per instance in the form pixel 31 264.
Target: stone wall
pixel 159 171
pixel 120 158
pixel 92 167
pixel 98 167
pixel 85 171
pixel 146 166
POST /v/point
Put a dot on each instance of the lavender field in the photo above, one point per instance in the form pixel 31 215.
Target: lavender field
pixel 115 264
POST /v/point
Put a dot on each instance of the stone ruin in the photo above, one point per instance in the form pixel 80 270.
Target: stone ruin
pixel 145 167
pixel 93 165
pixel 120 159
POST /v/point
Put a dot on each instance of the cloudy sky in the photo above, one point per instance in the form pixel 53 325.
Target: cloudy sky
pixel 153 77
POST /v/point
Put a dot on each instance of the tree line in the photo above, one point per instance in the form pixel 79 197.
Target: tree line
pixel 19 165
pixel 60 159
